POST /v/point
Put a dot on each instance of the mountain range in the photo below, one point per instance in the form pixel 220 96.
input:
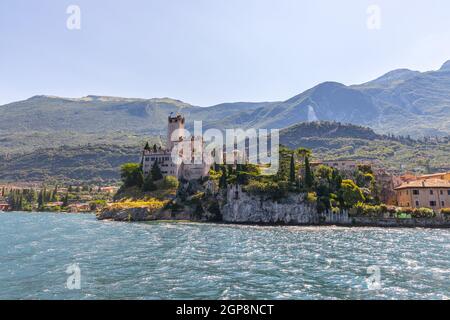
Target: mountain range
pixel 55 130
pixel 401 102
pixel 99 163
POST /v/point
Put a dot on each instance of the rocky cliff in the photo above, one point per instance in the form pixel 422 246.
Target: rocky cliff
pixel 140 214
pixel 242 207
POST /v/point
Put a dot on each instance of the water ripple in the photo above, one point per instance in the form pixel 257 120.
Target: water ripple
pixel 207 261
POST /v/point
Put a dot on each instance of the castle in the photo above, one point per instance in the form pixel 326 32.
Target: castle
pixel 187 170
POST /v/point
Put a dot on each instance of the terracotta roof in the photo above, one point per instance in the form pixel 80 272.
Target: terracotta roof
pixel 433 175
pixel 431 183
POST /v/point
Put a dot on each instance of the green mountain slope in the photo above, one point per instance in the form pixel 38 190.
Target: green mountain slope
pixel 328 140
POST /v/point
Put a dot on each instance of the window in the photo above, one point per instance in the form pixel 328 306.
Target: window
pixel 442 204
pixel 417 203
pixel 441 192
pixel 415 192
pixel 448 192
pixel 432 203
pixel 431 192
pixel 147 158
pixel 407 192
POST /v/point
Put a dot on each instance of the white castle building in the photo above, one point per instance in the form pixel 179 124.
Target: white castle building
pixel 196 168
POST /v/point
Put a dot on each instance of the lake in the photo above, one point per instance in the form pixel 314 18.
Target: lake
pixel 162 260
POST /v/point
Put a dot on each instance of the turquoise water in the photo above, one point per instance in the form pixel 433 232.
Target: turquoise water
pixel 207 261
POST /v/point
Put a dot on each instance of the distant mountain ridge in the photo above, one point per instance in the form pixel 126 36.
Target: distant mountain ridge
pixel 402 102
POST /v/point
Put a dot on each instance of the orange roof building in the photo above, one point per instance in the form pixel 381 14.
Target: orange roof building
pixel 426 193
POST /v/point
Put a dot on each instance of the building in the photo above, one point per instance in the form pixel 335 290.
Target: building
pixel 4 207
pixel 426 193
pixel 195 168
pixel 441 176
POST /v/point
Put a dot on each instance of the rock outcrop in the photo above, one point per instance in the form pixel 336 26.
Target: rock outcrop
pixel 125 214
pixel 242 207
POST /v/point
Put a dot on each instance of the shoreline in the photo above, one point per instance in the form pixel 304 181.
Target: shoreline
pixel 394 223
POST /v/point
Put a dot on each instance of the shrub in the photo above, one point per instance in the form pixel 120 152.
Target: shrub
pixel 170 182
pixel 423 213
pixel 153 204
pixel 311 197
pixel 275 190
pixel 369 210
pixel 97 204
pixel 392 209
pixel 406 210
pixel 131 175
pixel 351 193
pixel 445 211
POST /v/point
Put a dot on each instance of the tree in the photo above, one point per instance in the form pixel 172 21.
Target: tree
pixel 156 172
pixel 149 185
pixel 66 200
pixel 351 193
pixel 41 199
pixel 147 146
pixel 309 178
pixel 54 194
pixel 155 148
pixel 131 175
pixel 302 153
pixel 336 181
pixel 170 182
pixel 292 170
pixel 324 175
pixel 223 178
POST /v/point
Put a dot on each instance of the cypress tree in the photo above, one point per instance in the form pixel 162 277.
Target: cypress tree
pixel 41 200
pixel 66 199
pixel 223 178
pixel 156 172
pixel 55 192
pixel 148 185
pixel 292 170
pixel 309 178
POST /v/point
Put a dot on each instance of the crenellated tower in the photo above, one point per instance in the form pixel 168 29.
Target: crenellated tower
pixel 175 123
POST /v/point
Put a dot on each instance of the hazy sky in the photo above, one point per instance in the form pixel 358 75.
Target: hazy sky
pixel 210 51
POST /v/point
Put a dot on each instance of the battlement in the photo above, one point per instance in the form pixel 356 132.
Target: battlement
pixel 178 118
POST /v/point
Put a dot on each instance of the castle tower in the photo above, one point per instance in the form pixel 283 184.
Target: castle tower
pixel 174 123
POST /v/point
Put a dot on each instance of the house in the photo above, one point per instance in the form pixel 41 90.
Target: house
pixel 428 193
pixel 79 207
pixel 441 176
pixel 111 189
pixel 54 204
